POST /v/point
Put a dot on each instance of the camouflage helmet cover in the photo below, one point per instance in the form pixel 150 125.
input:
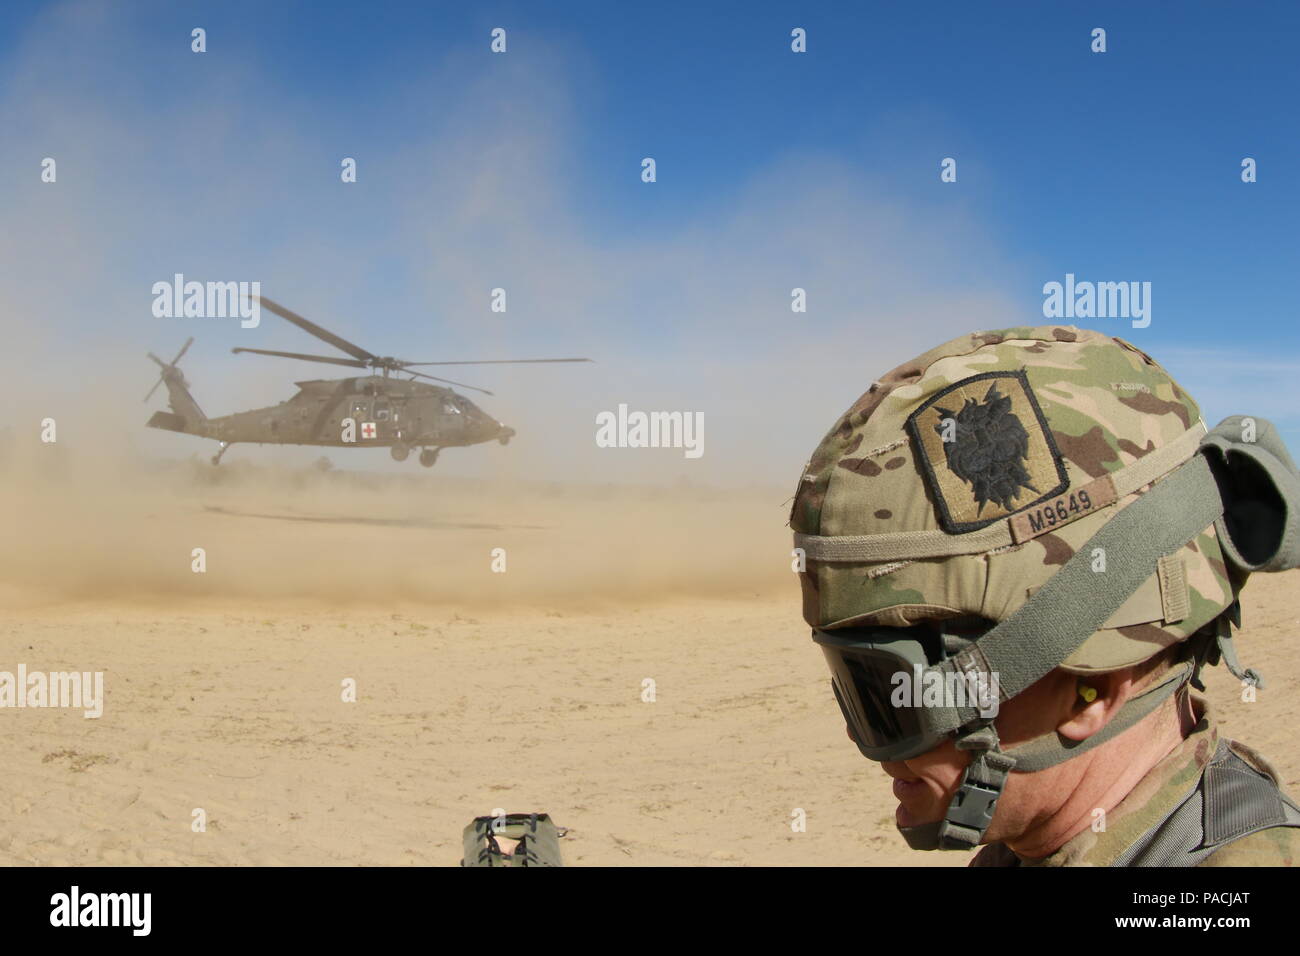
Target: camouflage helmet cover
pixel 1022 427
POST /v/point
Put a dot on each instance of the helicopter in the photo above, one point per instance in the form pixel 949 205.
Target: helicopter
pixel 374 410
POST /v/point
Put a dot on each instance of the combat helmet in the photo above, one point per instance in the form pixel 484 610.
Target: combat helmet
pixel 1056 481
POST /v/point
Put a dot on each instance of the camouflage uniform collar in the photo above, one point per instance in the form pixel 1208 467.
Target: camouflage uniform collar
pixel 1163 788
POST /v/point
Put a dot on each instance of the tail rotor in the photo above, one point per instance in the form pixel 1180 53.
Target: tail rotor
pixel 167 366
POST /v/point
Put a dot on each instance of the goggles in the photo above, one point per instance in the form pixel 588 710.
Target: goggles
pixel 889 701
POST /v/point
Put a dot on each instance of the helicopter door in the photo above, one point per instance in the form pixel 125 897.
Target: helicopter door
pixel 397 422
pixel 451 420
pixel 367 428
pixel 382 411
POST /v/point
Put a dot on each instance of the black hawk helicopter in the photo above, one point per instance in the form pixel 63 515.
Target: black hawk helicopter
pixel 367 411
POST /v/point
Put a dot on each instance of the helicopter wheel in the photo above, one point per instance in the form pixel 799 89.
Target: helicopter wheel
pixel 400 451
pixel 216 459
pixel 428 457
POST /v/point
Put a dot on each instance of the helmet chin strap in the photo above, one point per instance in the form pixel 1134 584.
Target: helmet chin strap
pixel 972 807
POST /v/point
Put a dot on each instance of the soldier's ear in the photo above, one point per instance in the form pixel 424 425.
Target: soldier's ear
pixel 1096 700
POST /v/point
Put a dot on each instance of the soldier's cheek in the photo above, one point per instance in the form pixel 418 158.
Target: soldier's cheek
pixel 942 767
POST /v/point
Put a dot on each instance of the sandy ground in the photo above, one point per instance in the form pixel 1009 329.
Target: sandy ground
pixel 476 690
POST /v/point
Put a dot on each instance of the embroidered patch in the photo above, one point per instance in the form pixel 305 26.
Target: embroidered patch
pixel 985 450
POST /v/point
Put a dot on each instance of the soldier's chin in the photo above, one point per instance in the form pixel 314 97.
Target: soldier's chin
pixel 907 818
pixel 916 803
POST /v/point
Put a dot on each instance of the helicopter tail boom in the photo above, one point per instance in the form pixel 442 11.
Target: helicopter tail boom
pixel 169 421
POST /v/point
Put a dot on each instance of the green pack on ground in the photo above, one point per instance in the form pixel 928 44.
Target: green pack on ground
pixel 537 835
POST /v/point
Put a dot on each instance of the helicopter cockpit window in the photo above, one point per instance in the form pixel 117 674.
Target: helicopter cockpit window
pixel 450 407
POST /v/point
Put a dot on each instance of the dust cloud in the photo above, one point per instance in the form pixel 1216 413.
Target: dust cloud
pixel 94 524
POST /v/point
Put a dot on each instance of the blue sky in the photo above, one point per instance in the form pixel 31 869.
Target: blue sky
pixel 775 170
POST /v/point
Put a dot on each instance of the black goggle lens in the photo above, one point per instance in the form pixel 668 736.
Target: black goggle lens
pixel 863 682
pixel 866 665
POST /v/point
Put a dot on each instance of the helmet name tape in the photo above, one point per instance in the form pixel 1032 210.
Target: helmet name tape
pixel 1064 508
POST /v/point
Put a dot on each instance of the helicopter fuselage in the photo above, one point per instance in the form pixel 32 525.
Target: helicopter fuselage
pixel 355 412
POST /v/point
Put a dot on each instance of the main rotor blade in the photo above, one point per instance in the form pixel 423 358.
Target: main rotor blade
pixel 184 348
pixel 324 335
pixel 450 382
pixel 154 389
pixel 498 362
pixel 352 363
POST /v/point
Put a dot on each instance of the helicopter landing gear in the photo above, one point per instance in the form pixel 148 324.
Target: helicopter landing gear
pixel 400 451
pixel 506 435
pixel 428 456
pixel 216 459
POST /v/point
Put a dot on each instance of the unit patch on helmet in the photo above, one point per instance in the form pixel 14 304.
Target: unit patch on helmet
pixel 986 450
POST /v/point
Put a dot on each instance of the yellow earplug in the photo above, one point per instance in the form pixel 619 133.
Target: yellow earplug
pixel 1089 694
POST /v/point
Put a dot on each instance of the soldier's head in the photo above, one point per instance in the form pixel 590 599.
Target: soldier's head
pixel 1018 546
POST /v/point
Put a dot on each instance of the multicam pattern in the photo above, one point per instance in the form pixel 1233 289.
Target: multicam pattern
pixel 1106 405
pixel 1158 793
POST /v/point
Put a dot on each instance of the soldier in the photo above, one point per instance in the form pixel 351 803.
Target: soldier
pixel 1021 548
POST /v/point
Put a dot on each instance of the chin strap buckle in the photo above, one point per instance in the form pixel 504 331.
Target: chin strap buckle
pixel 972 807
